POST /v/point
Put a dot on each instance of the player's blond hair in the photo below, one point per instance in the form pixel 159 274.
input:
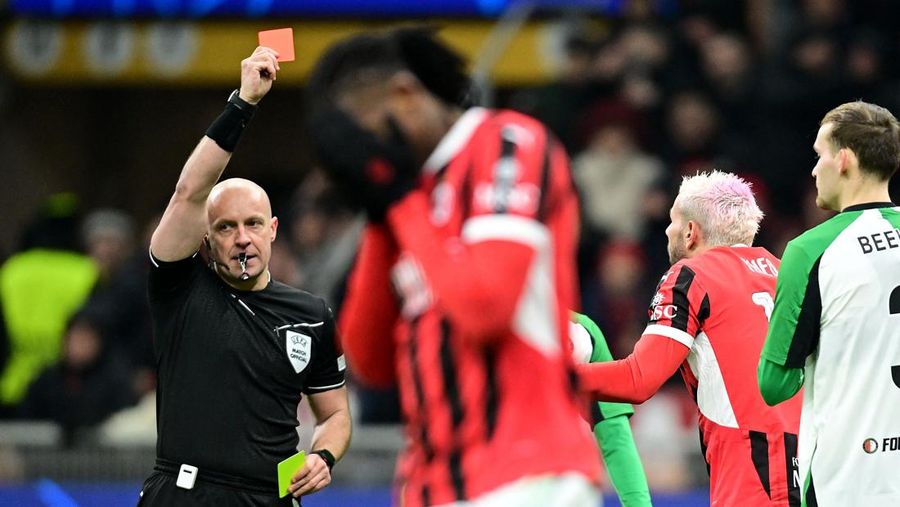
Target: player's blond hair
pixel 723 205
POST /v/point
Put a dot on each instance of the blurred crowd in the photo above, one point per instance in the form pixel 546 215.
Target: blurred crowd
pixel 640 101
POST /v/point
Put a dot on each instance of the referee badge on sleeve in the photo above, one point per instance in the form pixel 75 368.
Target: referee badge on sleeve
pixel 297 346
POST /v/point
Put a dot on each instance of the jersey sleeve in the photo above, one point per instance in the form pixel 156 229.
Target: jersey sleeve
pixel 166 279
pixel 795 323
pixel 328 365
pixel 370 311
pixel 679 306
pixel 623 463
pixel 599 352
pixel 777 383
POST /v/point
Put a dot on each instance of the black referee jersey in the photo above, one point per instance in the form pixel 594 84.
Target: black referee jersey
pixel 232 366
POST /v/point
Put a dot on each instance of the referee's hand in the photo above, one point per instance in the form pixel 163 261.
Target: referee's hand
pixel 258 73
pixel 314 476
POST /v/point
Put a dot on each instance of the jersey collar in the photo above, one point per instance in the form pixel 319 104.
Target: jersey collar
pixel 455 139
pixel 868 205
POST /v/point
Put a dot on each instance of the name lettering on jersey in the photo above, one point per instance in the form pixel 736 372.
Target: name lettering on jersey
pixel 762 266
pixel 667 311
pixel 880 241
pixel 298 347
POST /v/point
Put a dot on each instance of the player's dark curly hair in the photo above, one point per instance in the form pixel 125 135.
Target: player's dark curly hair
pixel 370 57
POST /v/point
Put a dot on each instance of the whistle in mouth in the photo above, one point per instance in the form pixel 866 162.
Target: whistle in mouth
pixel 242 260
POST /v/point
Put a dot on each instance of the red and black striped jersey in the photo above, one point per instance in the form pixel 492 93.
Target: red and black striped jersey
pixel 717 304
pixel 482 257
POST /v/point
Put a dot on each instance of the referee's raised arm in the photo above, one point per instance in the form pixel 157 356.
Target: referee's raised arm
pixel 184 221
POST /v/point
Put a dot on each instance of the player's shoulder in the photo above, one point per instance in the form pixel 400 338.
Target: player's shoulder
pixel 735 266
pixel 814 241
pixel 677 273
pixel 515 126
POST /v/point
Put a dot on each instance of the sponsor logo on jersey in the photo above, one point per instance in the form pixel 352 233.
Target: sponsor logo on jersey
pixel 520 198
pixel 298 347
pixel 657 299
pixel 667 311
pixel 870 445
pixel 885 444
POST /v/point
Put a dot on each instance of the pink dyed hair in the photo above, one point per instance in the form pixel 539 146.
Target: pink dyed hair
pixel 724 206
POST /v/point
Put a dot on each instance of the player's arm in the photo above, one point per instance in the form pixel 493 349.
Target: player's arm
pixel 611 428
pixel 476 281
pixel 636 378
pixel 478 278
pixel 793 327
pixel 370 310
pixel 332 434
pixel 679 307
pixel 183 223
pixel 777 383
pixel 623 463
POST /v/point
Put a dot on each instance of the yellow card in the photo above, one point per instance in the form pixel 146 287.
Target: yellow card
pixel 287 469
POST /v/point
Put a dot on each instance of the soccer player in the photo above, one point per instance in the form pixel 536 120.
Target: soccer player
pixel 610 420
pixel 708 319
pixel 835 327
pixel 473 220
pixel 234 348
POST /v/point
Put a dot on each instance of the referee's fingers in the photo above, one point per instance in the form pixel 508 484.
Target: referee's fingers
pixel 313 483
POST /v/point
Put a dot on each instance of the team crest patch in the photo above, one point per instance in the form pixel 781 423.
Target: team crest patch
pixel 297 346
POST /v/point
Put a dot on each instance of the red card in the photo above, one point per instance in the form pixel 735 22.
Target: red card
pixel 281 40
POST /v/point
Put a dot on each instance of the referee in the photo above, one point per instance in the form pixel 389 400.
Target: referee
pixel 234 348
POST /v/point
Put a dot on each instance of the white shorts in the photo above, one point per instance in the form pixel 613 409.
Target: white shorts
pixel 569 490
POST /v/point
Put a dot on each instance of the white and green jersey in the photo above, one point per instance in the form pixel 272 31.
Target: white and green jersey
pixel 837 314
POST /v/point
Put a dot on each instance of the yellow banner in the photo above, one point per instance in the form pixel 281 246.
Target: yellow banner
pixel 209 53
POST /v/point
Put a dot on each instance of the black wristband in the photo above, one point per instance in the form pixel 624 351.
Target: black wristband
pixel 226 130
pixel 327 457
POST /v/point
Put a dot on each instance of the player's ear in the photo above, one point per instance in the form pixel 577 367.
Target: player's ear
pixel 846 158
pixel 692 234
pixel 274 225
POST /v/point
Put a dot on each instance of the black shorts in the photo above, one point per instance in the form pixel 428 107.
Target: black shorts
pixel 159 490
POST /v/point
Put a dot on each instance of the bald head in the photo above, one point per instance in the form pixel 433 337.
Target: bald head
pixel 245 193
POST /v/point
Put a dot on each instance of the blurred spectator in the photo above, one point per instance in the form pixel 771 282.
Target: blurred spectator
pixel 40 288
pixel 731 81
pixel 865 66
pixel 109 238
pixel 617 297
pixel 613 174
pixel 559 103
pixel 87 385
pixel 696 141
pixel 324 234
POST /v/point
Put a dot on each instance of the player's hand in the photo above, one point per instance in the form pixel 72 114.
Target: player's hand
pixel 258 73
pixel 313 477
pixel 371 172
